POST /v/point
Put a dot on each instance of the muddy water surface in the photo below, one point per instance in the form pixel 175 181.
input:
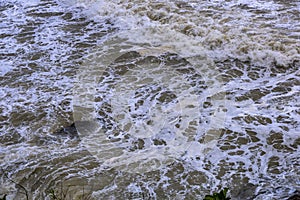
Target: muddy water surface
pixel 170 99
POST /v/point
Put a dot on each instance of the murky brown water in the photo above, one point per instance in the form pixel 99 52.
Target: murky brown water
pixel 171 100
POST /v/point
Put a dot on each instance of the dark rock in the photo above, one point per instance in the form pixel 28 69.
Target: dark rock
pixel 69 131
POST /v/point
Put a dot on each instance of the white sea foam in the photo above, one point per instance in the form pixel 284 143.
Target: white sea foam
pixel 220 31
pixel 234 29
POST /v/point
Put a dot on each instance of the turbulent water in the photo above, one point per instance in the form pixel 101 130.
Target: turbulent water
pixel 170 99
